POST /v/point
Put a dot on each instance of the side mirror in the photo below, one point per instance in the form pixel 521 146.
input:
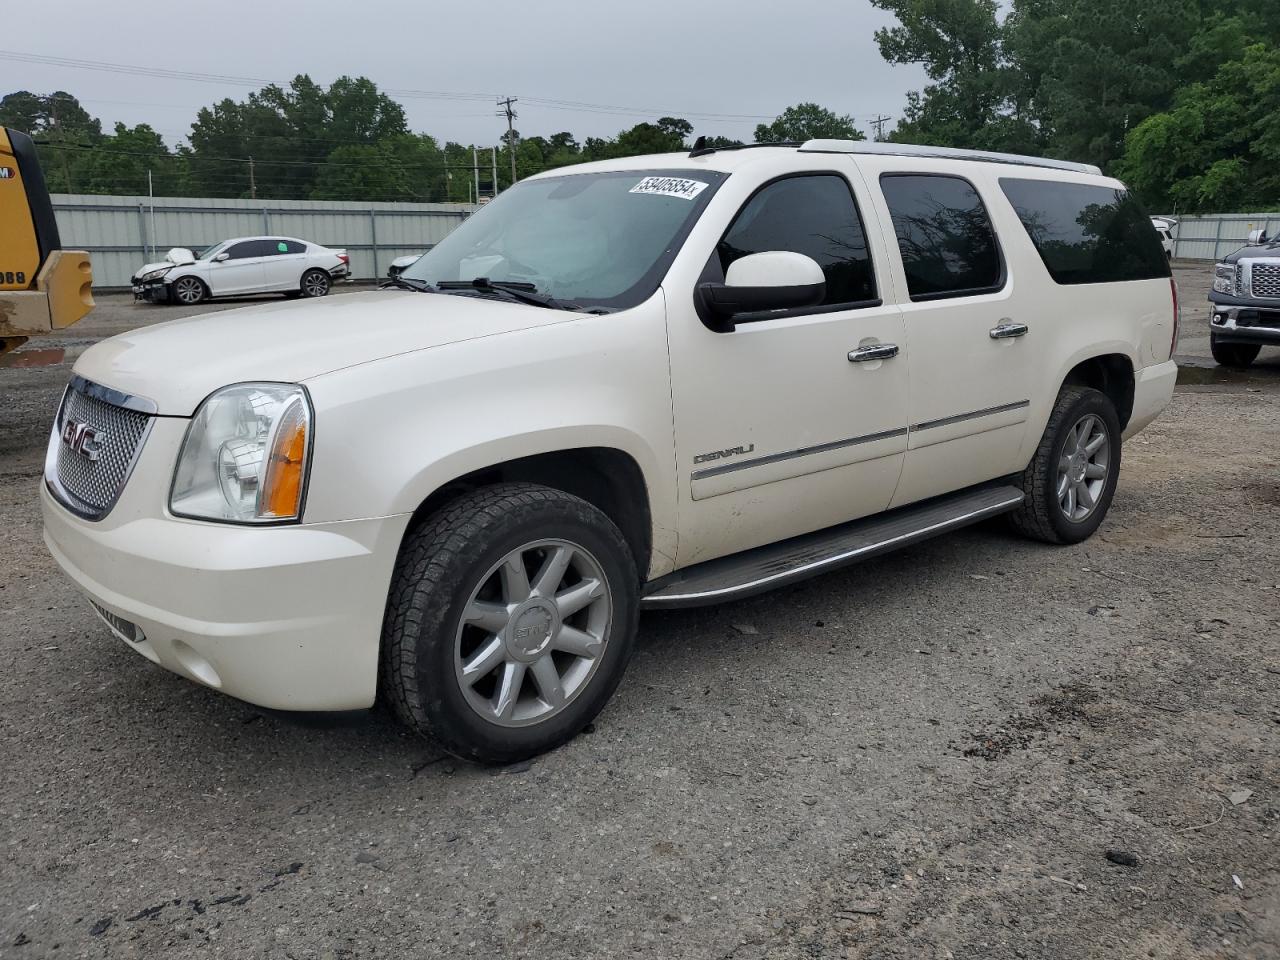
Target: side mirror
pixel 222 256
pixel 1257 237
pixel 764 282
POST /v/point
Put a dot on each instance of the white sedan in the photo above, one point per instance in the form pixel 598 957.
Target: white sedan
pixel 244 265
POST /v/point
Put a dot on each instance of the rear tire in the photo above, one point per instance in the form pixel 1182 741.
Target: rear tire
pixel 1071 480
pixel 501 659
pixel 188 291
pixel 1235 355
pixel 315 283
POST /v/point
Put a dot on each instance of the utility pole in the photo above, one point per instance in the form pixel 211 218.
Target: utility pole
pixel 475 168
pixel 879 123
pixel 57 127
pixel 253 183
pixel 151 193
pixel 507 105
pixel 495 170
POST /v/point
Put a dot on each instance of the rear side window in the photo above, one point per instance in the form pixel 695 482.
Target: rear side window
pixel 948 245
pixel 1086 233
pixel 813 215
pixel 278 247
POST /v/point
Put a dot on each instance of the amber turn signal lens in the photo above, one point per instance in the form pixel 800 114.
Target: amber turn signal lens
pixel 281 497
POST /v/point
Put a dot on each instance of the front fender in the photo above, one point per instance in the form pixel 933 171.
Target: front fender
pixel 391 432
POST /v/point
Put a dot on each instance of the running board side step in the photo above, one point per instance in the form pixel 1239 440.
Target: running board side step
pixel 755 571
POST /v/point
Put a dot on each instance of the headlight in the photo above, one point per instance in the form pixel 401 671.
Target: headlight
pixel 1224 278
pixel 155 274
pixel 245 456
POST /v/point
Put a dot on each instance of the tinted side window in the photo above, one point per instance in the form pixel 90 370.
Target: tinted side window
pixel 244 249
pixel 277 247
pixel 813 215
pixel 1088 234
pixel 948 245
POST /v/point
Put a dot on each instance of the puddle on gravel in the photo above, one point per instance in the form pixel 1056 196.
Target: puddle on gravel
pixel 34 358
pixel 1215 374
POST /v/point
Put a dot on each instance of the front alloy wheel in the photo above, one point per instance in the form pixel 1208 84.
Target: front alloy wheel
pixel 188 291
pixel 532 633
pixel 510 621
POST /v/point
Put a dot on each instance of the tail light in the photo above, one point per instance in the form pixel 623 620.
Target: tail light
pixel 1177 316
pixel 347 260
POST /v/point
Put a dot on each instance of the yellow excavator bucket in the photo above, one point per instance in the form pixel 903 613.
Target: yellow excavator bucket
pixel 42 286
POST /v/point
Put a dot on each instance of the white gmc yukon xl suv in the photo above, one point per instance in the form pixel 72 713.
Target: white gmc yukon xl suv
pixel 653 382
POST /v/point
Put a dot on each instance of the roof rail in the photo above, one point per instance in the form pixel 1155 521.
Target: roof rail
pixel 945 153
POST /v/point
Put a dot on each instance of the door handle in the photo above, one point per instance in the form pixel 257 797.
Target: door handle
pixel 876 351
pixel 1007 329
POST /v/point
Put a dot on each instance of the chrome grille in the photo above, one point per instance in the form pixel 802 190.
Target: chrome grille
pixel 90 485
pixel 1265 282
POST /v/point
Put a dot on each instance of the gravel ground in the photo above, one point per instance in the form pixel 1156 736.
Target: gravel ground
pixel 929 756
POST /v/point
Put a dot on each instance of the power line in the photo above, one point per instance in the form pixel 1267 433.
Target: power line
pixel 227 79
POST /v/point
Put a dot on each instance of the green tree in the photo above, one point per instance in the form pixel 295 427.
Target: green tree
pixel 1218 148
pixel 807 121
pixel 1097 68
pixel 120 164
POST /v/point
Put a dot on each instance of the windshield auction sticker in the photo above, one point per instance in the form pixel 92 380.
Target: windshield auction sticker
pixel 670 187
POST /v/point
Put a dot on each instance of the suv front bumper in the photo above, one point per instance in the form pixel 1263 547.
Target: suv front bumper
pixel 283 617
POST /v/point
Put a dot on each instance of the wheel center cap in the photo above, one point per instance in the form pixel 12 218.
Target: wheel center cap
pixel 532 627
pixel 1077 469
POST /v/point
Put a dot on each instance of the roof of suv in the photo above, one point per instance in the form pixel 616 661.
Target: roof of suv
pixel 728 159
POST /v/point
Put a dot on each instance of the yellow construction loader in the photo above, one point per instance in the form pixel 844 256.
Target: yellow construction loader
pixel 42 286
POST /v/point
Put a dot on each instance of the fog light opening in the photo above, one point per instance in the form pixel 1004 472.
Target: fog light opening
pixel 196 665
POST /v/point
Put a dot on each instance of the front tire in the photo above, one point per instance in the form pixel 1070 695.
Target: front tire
pixel 1071 480
pixel 188 291
pixel 1235 355
pixel 510 622
pixel 315 283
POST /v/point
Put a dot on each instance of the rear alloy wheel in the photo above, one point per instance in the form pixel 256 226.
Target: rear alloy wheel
pixel 315 283
pixel 188 290
pixel 510 621
pixel 1071 480
pixel 1236 355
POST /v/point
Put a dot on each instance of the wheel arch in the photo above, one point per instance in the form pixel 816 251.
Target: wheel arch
pixel 608 478
pixel 1111 373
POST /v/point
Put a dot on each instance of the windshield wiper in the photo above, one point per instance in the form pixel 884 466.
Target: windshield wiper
pixel 519 290
pixel 407 283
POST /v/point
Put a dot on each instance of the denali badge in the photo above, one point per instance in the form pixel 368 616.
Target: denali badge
pixel 83 439
pixel 721 454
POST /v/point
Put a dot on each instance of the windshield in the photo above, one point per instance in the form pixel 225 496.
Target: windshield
pixel 208 252
pixel 591 239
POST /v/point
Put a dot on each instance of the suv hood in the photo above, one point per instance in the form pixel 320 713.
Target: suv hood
pixel 179 363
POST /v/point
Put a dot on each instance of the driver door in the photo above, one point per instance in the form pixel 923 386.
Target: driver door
pixel 781 429
pixel 241 272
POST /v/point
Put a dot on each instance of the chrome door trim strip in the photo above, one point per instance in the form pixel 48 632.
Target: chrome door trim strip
pixel 808 569
pixel 800 452
pixel 960 417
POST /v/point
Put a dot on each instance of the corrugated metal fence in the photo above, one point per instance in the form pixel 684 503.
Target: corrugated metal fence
pixel 122 233
pixel 1212 237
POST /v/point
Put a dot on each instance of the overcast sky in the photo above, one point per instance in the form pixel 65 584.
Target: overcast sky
pixel 699 59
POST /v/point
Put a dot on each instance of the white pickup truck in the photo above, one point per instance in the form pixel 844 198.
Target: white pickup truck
pixel 652 382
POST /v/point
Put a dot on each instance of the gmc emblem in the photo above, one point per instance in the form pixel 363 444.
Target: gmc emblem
pixel 82 439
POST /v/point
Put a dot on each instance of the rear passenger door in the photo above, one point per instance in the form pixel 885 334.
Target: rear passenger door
pixel 970 336
pixel 241 272
pixel 284 264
